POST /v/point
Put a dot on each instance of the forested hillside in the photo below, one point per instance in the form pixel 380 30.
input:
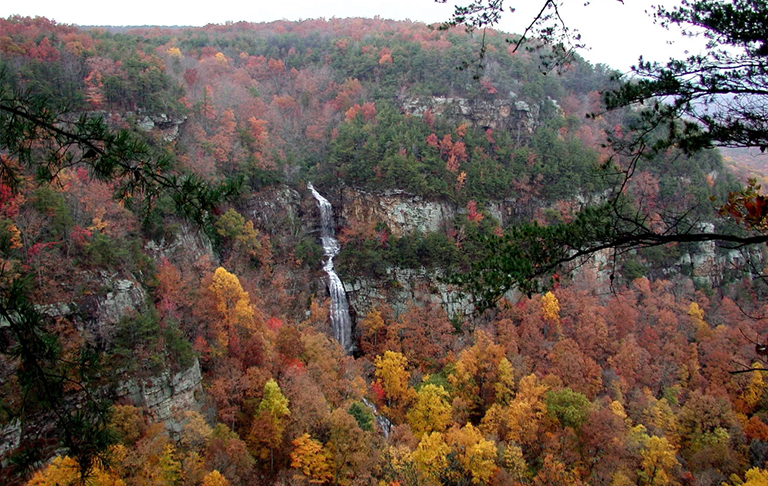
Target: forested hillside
pixel 168 322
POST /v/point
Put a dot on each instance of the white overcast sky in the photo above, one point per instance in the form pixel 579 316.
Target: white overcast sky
pixel 616 34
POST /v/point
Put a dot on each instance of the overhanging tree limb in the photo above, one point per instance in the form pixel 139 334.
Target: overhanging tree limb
pixel 47 140
pixel 704 101
pixel 529 253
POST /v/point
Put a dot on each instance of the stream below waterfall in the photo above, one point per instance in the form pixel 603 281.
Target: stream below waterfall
pixel 341 322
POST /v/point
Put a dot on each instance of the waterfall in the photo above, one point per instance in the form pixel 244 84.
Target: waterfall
pixel 340 320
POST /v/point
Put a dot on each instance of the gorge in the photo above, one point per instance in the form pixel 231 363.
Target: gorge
pixel 216 332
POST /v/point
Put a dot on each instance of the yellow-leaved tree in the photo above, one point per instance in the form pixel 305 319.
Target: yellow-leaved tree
pixel 475 454
pixel 269 423
pixel 64 471
pixel 475 377
pixel 393 376
pixel 234 306
pixel 430 412
pixel 231 300
pixel 431 457
pixel 658 415
pixel 657 459
pixel 550 308
pixel 754 477
pixel 311 459
pixel 519 420
pixel 513 461
pixel 753 393
pixel 174 52
pixel 697 319
pixel 214 478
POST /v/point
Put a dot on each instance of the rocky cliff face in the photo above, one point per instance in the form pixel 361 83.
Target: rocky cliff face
pixel 99 313
pixel 167 127
pixel 163 126
pixel 404 213
pixel 711 266
pixel 10 437
pixel 401 212
pixel 186 245
pixel 166 396
pixel 279 206
pixel 406 286
pixel 511 115
pixel 161 395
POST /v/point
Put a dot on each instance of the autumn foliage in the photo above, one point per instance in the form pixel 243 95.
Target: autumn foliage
pixel 604 379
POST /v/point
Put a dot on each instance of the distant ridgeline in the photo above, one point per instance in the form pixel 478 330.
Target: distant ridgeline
pixel 374 104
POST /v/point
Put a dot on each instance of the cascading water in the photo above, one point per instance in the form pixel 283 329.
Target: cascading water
pixel 384 424
pixel 341 322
